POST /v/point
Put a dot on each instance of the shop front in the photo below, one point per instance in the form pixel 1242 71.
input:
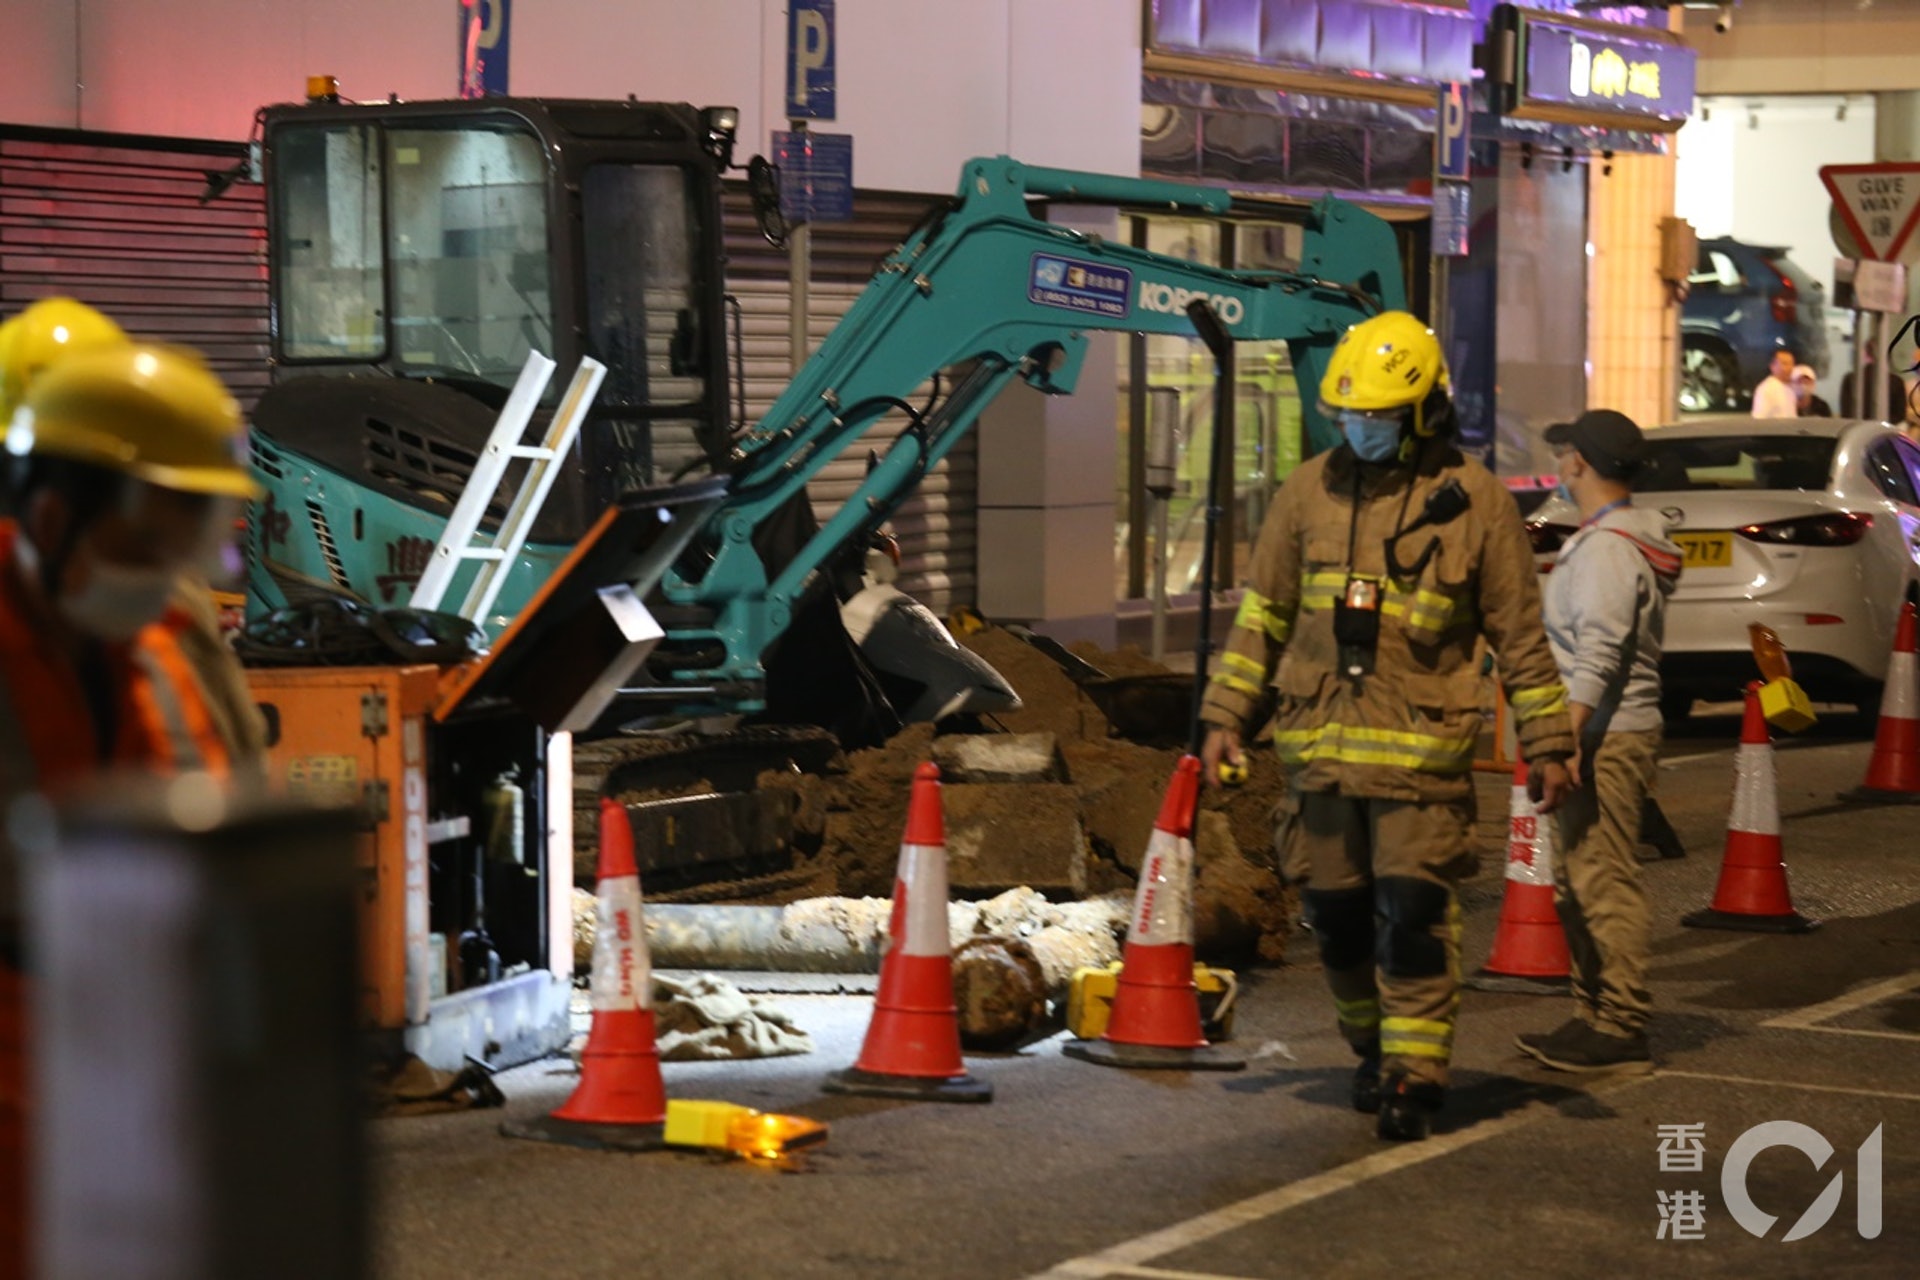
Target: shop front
pixel 1285 100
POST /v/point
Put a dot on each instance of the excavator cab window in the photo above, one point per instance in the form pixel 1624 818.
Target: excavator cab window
pixel 644 321
pixel 467 240
pixel 331 270
pixel 425 248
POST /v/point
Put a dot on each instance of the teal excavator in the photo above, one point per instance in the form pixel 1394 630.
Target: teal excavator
pixel 418 254
pixel 420 250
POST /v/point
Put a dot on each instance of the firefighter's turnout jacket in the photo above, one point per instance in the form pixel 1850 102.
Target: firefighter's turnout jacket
pixel 1406 729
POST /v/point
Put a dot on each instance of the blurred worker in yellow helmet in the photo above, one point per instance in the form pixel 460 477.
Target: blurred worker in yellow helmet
pixel 1378 570
pixel 39 336
pixel 127 477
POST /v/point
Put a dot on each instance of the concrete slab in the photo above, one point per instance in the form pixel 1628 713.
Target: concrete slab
pixel 1049 853
pixel 999 757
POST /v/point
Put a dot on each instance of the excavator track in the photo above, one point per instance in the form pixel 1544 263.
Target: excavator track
pixel 702 823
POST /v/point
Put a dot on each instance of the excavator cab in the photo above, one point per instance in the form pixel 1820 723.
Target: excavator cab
pixel 420 251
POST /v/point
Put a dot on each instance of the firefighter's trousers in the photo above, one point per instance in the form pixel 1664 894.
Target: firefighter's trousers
pixel 1377 880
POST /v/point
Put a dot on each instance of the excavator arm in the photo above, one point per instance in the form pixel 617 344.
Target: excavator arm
pixel 991 291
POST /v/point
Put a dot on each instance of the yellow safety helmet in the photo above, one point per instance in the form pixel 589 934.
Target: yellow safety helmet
pixel 154 413
pixel 43 333
pixel 1391 361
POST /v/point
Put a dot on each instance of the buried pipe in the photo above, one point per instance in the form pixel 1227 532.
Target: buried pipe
pixel 846 935
pixel 1013 955
pixel 800 938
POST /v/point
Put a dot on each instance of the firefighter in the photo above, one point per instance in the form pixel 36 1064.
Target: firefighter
pixel 128 475
pixel 1378 570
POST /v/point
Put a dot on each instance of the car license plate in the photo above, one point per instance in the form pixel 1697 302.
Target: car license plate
pixel 1705 550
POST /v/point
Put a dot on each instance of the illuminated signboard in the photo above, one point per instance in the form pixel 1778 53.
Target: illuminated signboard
pixel 1580 72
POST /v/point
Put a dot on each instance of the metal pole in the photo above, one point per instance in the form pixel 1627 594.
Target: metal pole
pixel 1878 389
pixel 1158 644
pixel 799 273
pixel 1859 406
pixel 799 264
pixel 1214 334
pixel 1162 425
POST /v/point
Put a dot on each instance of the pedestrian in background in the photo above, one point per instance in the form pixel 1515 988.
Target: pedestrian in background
pixel 1605 615
pixel 1774 397
pixel 1379 570
pixel 1811 405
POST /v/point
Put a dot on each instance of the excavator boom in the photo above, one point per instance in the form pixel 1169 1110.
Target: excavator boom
pixel 987 287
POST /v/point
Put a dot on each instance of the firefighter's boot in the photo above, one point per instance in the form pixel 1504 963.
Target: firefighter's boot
pixel 1366 1080
pixel 1407 1107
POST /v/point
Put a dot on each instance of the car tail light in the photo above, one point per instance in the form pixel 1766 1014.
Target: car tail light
pixel 1548 538
pixel 1835 529
pixel 1785 300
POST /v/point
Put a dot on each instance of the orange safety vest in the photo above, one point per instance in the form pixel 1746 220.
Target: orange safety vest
pixel 47 743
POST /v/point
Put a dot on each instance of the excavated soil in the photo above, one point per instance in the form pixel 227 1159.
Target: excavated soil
pixel 1242 912
pixel 848 820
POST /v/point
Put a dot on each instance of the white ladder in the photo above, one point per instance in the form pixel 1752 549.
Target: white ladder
pixel 461 541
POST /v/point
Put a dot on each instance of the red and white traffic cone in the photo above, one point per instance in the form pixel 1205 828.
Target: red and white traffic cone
pixel 1893 774
pixel 620 1103
pixel 1155 1020
pixel 1752 893
pixel 912 1049
pixel 1530 947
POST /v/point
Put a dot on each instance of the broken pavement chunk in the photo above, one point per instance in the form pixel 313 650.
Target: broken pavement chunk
pixel 999 757
pixel 1000 836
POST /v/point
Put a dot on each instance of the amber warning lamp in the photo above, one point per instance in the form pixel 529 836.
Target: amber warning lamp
pixel 725 1126
pixel 1782 701
pixel 323 89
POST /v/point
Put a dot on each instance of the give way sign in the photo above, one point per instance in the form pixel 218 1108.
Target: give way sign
pixel 1880 203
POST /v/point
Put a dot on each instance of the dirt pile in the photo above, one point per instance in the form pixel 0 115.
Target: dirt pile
pixel 1241 911
pixel 1094 804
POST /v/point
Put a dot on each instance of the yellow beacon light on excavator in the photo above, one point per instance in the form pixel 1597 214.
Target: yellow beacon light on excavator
pixel 323 89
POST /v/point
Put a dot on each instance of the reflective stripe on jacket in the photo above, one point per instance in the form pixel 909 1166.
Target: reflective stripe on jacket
pixel 1408 729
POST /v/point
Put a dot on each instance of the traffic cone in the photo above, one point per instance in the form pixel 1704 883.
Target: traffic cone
pixel 912 1048
pixel 1530 947
pixel 1893 774
pixel 1752 893
pixel 620 1103
pixel 1155 1020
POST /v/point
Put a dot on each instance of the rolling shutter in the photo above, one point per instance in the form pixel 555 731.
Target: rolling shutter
pixel 936 527
pixel 135 226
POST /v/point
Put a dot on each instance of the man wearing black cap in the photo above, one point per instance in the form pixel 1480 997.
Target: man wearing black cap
pixel 1605 606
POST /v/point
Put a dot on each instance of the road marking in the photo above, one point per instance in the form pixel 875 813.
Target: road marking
pixel 1671 761
pixel 1268 1204
pixel 1860 1031
pixel 1806 1018
pixel 1789 1084
pixel 1160 1273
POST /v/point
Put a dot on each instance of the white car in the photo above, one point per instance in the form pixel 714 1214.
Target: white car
pixel 1809 525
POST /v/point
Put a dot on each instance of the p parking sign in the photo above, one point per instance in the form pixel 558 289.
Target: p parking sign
pixel 810 87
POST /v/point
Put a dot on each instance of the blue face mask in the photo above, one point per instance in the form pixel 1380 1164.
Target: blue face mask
pixel 1565 494
pixel 1372 439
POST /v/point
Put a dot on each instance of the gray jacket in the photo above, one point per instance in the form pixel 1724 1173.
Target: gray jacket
pixel 1606 606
